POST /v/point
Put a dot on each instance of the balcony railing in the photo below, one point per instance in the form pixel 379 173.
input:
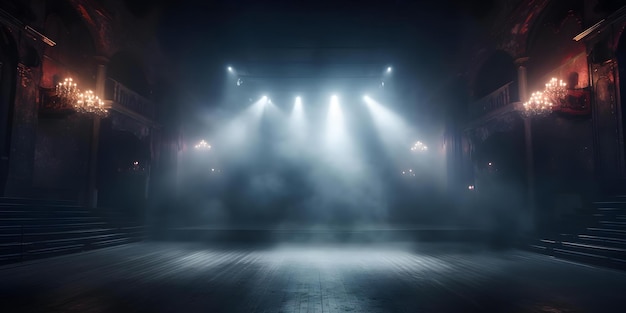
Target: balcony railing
pixel 497 99
pixel 129 99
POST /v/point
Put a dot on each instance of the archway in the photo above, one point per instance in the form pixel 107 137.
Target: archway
pixel 123 170
pixel 8 65
pixel 496 72
pixel 62 139
pixel 127 69
pixel 125 151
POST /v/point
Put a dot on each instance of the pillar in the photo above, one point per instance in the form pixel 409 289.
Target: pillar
pixel 92 192
pixel 522 80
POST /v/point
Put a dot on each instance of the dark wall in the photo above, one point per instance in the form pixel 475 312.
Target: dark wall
pixel 8 64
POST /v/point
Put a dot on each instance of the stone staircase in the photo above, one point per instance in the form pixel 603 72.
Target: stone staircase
pixel 32 229
pixel 596 236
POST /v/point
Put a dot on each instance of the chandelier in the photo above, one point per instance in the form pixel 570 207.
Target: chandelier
pixel 538 105
pixel 556 90
pixel 86 102
pixel 203 145
pixel 89 103
pixel 67 92
pixel 419 146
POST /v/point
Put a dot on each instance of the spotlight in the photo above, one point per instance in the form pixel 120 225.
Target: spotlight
pixel 389 69
pixel 298 100
pixel 334 98
pixel 230 69
pixel 366 98
pixel 264 98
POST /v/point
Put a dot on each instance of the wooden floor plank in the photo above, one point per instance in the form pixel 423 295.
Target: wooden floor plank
pixel 182 277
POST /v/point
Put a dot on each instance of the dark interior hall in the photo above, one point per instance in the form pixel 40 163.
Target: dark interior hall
pixel 312 156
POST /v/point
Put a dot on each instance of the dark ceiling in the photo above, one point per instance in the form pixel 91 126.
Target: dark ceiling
pixel 297 41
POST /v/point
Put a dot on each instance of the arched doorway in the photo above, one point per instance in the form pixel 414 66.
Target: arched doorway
pixel 125 150
pixel 497 71
pixel 123 169
pixel 8 65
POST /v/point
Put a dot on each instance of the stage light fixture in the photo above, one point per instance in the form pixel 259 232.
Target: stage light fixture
pixel 389 69
pixel 230 69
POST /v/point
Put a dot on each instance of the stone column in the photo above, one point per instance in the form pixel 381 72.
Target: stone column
pixel 528 141
pixel 92 192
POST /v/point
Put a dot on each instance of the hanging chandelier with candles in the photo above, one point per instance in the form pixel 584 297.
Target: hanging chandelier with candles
pixel 419 146
pixel 83 102
pixel 67 91
pixel 541 103
pixel 538 105
pixel 556 90
pixel 202 145
pixel 89 103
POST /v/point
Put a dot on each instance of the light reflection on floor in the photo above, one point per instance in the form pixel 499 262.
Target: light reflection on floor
pixel 184 277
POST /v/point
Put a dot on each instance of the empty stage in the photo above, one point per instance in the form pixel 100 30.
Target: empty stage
pixel 187 277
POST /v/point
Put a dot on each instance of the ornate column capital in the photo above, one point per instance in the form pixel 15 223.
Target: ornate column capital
pixel 101 60
pixel 521 61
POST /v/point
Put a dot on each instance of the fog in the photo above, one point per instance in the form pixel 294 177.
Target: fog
pixel 296 163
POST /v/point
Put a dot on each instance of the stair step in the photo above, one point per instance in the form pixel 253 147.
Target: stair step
pixel 9 257
pixel 610 208
pixel 33 229
pixel 590 258
pixel 578 253
pixel 72 239
pixel 12 229
pixel 39 214
pixel 27 221
pixel 6 238
pixel 33 200
pixel 607 230
pixel 66 234
pixel 609 216
pixel 539 247
pixel 40 207
pixel 609 241
pixel 619 202
pixel 112 242
pixel 55 249
pixel 615 224
pixel 593 247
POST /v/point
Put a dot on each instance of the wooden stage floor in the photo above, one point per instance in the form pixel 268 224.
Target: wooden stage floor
pixel 192 277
